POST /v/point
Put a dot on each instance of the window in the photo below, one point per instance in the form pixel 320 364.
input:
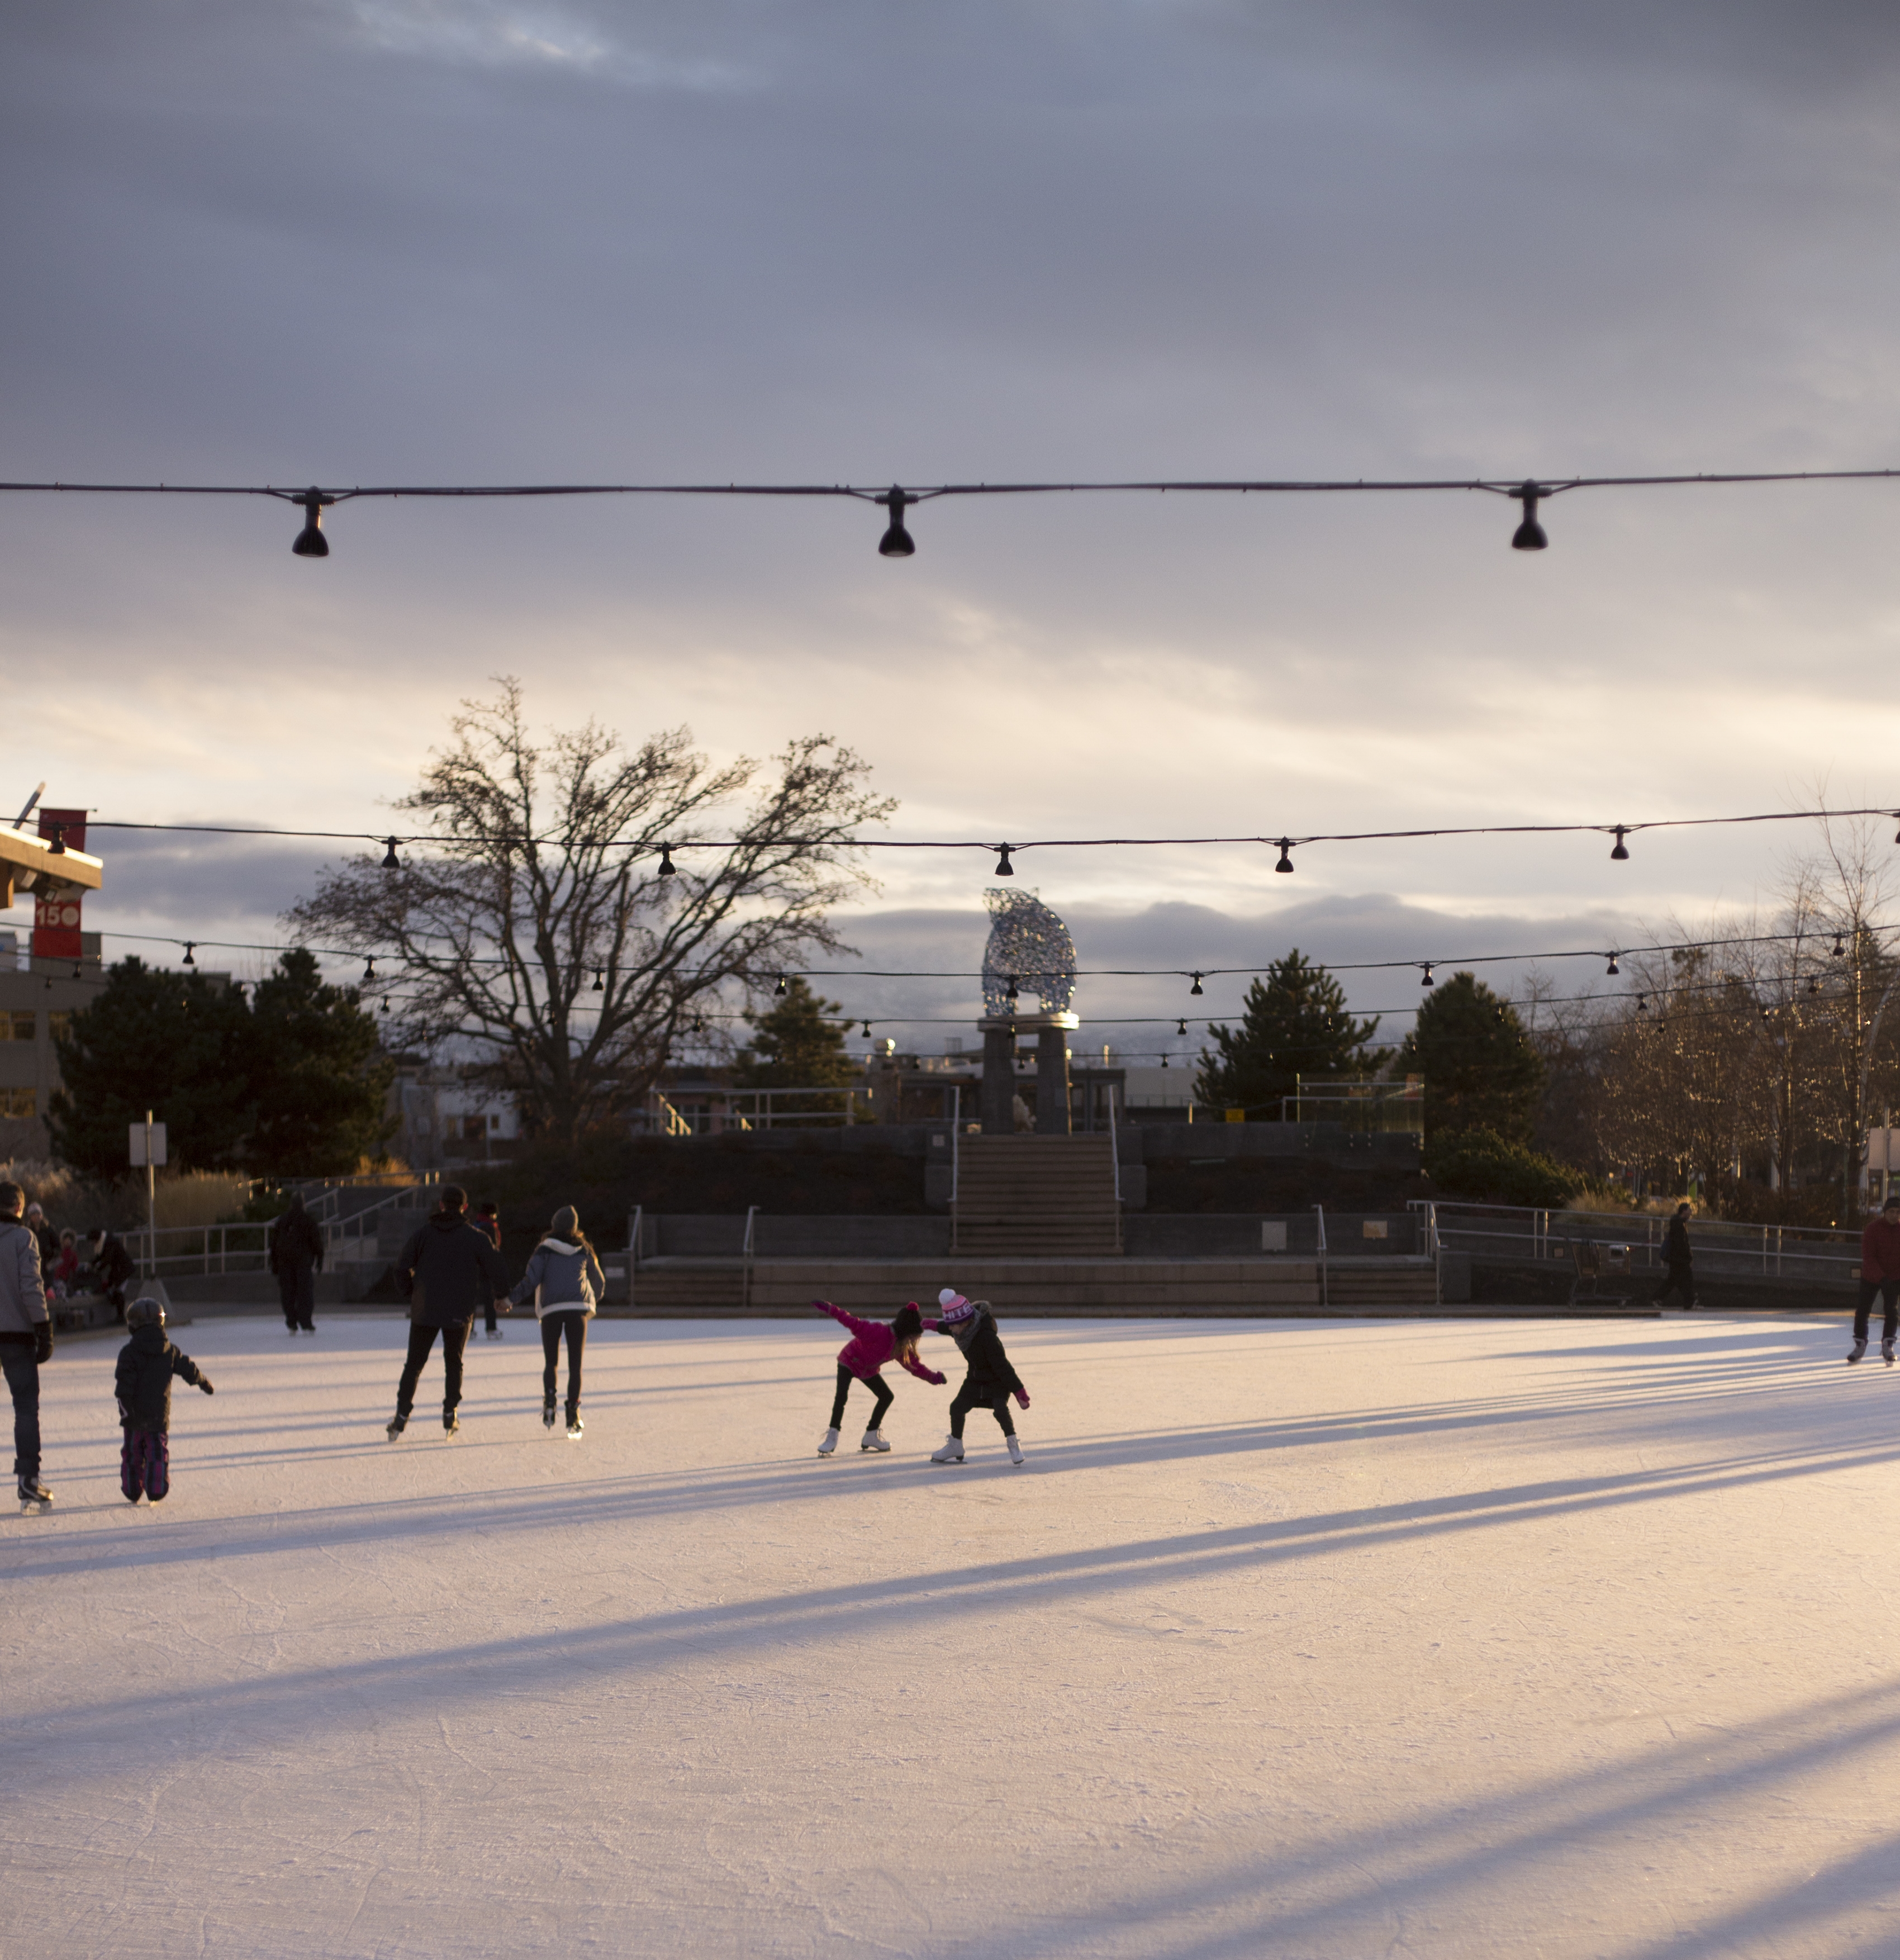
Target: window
pixel 17 1027
pixel 17 1101
pixel 57 1022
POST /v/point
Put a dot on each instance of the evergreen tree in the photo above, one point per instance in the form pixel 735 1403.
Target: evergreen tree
pixel 321 1082
pixel 795 1045
pixel 1293 1027
pixel 176 1044
pixel 1480 1069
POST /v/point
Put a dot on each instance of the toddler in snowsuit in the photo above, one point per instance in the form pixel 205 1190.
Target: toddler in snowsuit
pixel 147 1363
pixel 873 1343
pixel 991 1382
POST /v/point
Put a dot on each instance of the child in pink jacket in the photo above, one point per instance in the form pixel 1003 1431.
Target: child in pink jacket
pixel 873 1343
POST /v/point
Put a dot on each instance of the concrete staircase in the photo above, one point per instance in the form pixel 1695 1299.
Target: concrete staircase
pixel 1036 1198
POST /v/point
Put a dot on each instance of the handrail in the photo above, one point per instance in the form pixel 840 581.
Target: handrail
pixel 956 1135
pixel 1320 1213
pixel 633 1240
pixel 1114 1147
pixel 752 1212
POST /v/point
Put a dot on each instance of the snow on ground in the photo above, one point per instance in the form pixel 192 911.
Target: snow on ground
pixel 1465 1638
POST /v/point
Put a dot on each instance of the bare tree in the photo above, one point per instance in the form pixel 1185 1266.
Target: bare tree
pixel 534 932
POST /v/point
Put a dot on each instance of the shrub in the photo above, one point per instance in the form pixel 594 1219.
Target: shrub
pixel 1481 1165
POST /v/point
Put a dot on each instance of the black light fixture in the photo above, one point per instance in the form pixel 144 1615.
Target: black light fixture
pixel 1164 1060
pixel 1285 863
pixel 1428 981
pixel 780 989
pixel 896 542
pixel 386 1004
pixel 79 972
pixel 667 869
pixel 1619 852
pixel 369 968
pixel 698 1024
pixel 1181 1028
pixel 1613 968
pixel 390 861
pixel 1642 1003
pixel 1005 869
pixel 1840 946
pixel 189 944
pixel 1530 534
pixel 57 847
pixel 310 540
pixel 1814 986
pixel 1012 991
pixel 867 1031
pixel 1768 1014
pixel 1197 987
pixel 600 981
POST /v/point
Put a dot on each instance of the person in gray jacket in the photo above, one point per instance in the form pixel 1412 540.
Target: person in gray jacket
pixel 26 1339
pixel 564 1281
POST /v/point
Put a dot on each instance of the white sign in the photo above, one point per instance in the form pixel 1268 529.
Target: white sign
pixel 138 1143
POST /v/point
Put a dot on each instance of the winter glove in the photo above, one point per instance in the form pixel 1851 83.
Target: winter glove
pixel 204 1381
pixel 42 1340
pixel 937 1381
pixel 1023 1396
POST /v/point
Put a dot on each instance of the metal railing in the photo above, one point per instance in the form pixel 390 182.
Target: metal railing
pixel 1320 1215
pixel 745 1252
pixel 200 1248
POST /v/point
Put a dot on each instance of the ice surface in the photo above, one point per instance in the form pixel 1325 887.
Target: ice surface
pixel 1463 1638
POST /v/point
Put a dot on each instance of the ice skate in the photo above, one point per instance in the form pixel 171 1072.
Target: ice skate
pixel 34 1496
pixel 398 1423
pixel 1854 1352
pixel 829 1443
pixel 1016 1449
pixel 574 1427
pixel 495 1333
pixel 450 1424
pixel 951 1452
pixel 1886 1352
pixel 873 1439
pixel 547 1413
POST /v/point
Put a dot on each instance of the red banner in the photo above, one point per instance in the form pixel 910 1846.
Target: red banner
pixel 55 914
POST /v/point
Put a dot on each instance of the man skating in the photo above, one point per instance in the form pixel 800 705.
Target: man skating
pixel 26 1339
pixel 1676 1258
pixel 446 1270
pixel 1880 1278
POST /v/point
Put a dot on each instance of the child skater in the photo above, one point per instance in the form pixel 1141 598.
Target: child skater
pixel 871 1345
pixel 991 1382
pixel 146 1364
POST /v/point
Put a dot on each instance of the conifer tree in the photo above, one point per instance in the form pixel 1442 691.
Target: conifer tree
pixel 1293 1028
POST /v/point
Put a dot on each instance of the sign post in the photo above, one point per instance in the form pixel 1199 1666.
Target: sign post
pixel 148 1147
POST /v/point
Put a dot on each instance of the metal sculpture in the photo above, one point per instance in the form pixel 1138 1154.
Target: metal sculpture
pixel 1029 949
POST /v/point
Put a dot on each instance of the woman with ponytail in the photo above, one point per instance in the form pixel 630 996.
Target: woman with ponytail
pixel 564 1279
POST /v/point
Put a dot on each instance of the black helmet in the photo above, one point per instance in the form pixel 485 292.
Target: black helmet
pixel 145 1312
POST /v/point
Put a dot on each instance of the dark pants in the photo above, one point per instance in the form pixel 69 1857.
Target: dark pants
pixel 490 1326
pixel 23 1382
pixel 980 1394
pixel 1681 1279
pixel 1888 1293
pixel 144 1465
pixel 877 1385
pixel 296 1284
pixel 455 1337
pixel 553 1325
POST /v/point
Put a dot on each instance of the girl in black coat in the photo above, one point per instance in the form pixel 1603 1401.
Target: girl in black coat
pixel 991 1382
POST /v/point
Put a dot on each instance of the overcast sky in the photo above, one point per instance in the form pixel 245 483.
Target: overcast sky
pixel 442 240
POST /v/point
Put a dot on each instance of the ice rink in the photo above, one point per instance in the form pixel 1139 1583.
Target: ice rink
pixel 1354 1638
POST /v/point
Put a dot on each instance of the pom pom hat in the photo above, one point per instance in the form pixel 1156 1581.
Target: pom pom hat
pixel 953 1306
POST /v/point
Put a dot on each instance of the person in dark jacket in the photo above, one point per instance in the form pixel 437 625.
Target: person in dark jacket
pixel 489 1221
pixel 1879 1279
pixel 1675 1256
pixel 112 1267
pixel 25 1339
pixel 146 1364
pixel 296 1258
pixel 48 1238
pixel 991 1382
pixel 446 1272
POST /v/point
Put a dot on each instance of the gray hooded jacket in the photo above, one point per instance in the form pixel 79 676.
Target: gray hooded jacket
pixel 561 1278
pixel 23 1295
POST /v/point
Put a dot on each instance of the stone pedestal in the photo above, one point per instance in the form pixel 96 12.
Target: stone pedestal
pixel 1052 1081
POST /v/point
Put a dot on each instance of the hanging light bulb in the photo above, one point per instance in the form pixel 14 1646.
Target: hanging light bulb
pixel 386 1004
pixel 896 542
pixel 667 867
pixel 1814 986
pixel 1164 1060
pixel 1642 1003
pixel 390 861
pixel 1619 854
pixel 600 981
pixel 1197 987
pixel 698 1024
pixel 1840 946
pixel 57 847
pixel 1181 1028
pixel 867 1031
pixel 189 945
pixel 1005 869
pixel 79 973
pixel 780 989
pixel 369 968
pixel 1613 968
pixel 1428 981
pixel 1530 534
pixel 1285 863
pixel 310 540
pixel 1012 991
